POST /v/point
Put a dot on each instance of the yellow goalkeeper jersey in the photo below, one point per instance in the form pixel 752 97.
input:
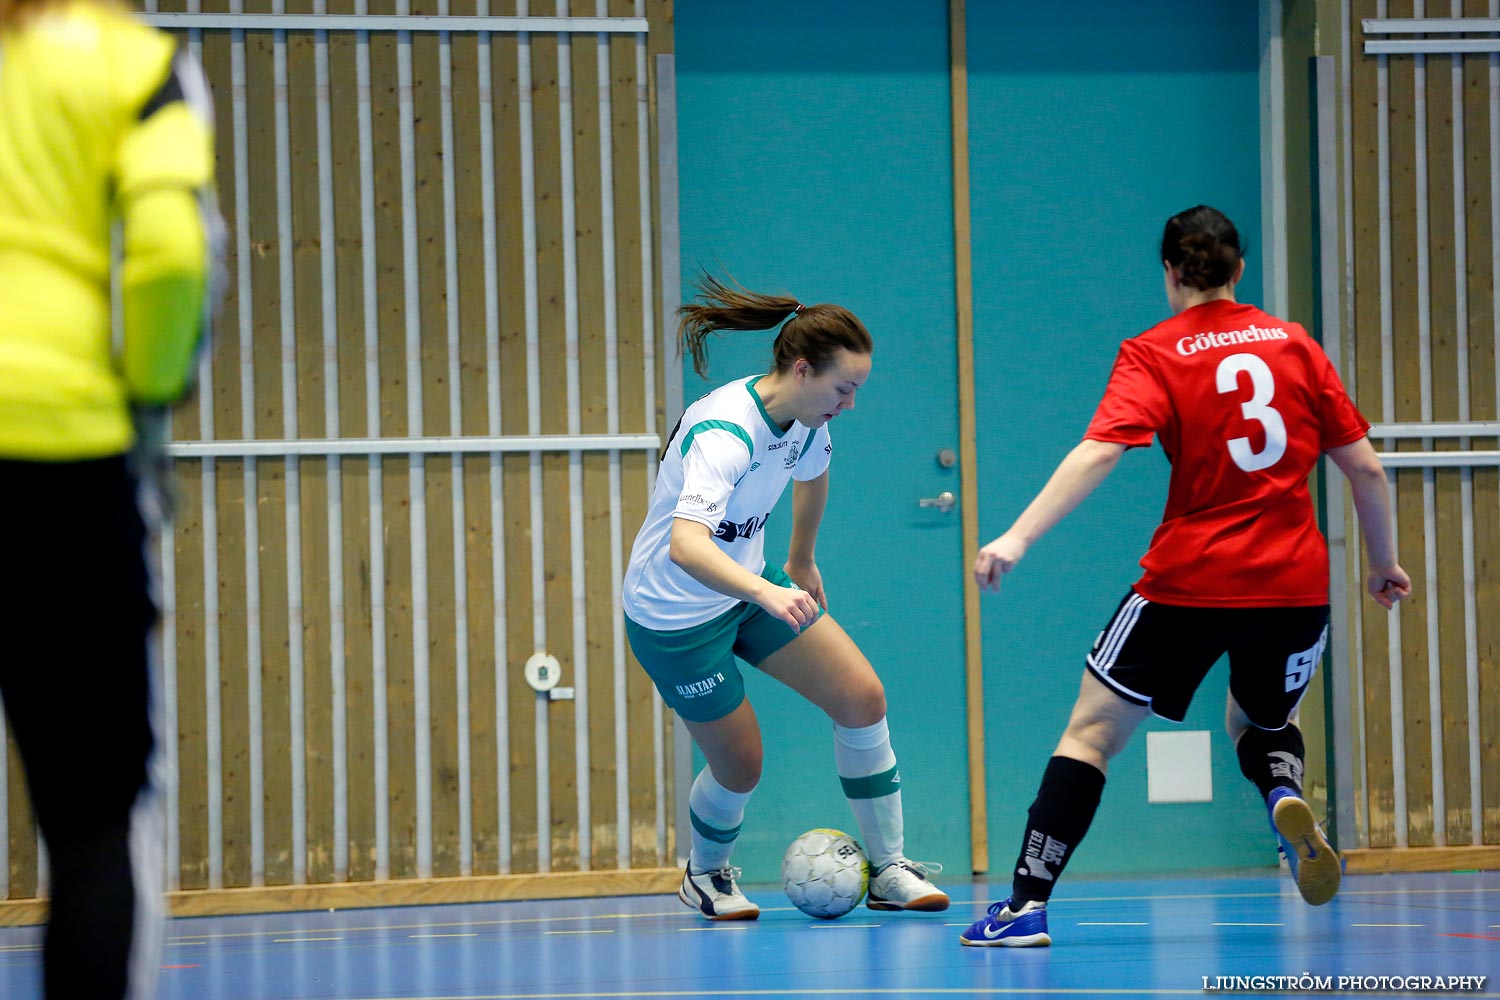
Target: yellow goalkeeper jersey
pixel 102 119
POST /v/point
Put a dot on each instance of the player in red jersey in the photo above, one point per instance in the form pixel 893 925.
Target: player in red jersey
pixel 1244 404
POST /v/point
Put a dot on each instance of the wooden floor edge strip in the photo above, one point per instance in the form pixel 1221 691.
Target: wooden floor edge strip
pixel 395 892
pixel 1373 860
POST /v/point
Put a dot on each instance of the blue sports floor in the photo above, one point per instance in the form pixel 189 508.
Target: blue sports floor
pixel 1115 938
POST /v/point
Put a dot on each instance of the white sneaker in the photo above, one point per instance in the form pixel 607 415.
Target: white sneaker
pixel 714 894
pixel 903 885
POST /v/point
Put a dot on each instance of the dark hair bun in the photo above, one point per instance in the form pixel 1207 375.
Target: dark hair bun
pixel 1206 263
pixel 1204 247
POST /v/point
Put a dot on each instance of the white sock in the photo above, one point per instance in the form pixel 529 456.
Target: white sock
pixel 867 770
pixel 716 813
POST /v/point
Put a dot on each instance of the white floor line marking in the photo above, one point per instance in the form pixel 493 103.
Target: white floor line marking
pixel 957 991
pixel 1387 925
pixel 469 934
pixel 1112 923
pixel 850 925
pixel 600 930
pixel 1232 923
pixel 303 940
pixel 721 927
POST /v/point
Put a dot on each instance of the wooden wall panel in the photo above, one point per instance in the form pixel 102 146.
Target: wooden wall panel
pixel 1482 171
pixel 236 600
pixel 1452 825
pixel 519 747
pixel 625 96
pixel 391 267
pixel 556 526
pixel 266 503
pixel 191 736
pixel 476 334
pixel 281 525
pixel 1379 786
pixel 309 618
pixel 1406 354
pixel 437 599
pixel 595 661
pixel 1451 289
pixel 190 552
pixel 354 473
pixel 20 827
pixel 659 42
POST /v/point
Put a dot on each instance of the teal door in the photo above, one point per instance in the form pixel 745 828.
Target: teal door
pixel 1091 122
pixel 814 158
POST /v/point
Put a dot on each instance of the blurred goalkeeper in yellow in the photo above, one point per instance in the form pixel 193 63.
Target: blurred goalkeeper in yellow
pixel 103 120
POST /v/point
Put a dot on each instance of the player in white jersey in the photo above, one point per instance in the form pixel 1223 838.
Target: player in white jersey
pixel 698 592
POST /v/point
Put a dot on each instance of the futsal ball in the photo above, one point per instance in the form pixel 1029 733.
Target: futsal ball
pixel 825 873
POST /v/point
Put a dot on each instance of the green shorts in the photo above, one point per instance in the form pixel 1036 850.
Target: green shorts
pixel 694 668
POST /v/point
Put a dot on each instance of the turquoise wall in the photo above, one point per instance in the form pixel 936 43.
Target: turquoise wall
pixel 815 158
pixel 1090 124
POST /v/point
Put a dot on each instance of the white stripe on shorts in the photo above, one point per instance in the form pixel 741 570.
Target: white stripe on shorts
pixel 1119 631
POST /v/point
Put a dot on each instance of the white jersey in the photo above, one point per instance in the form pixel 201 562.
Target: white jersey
pixel 726 465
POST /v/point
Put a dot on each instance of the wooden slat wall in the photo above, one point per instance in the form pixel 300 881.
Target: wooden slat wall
pixel 478 596
pixel 1480 221
pixel 1439 495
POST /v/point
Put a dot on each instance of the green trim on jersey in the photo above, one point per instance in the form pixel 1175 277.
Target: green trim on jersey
pixel 717 425
pixel 776 428
pixel 807 445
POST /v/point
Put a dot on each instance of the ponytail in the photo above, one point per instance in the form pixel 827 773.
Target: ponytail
pixel 809 332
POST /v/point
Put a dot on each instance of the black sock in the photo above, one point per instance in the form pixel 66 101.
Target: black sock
pixel 1058 819
pixel 1272 757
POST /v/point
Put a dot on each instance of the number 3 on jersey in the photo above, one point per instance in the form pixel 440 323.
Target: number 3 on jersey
pixel 1258 408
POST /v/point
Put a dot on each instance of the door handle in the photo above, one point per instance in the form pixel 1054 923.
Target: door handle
pixel 944 501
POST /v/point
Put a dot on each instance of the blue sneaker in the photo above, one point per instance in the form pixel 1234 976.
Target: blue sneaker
pixel 1002 927
pixel 1313 861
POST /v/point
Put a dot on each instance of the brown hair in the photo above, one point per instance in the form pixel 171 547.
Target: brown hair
pixel 813 332
pixel 1204 247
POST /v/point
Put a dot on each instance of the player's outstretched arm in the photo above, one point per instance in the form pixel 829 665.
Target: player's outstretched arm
pixel 173 236
pixel 1385 579
pixel 1078 475
pixel 694 551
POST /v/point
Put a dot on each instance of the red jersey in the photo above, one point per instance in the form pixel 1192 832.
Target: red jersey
pixel 1244 404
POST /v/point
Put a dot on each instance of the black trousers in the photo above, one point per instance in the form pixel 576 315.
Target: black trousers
pixel 77 615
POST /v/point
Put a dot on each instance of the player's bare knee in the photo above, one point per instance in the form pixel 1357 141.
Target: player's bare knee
pixel 863 705
pixel 741 773
pixel 1096 738
pixel 1080 751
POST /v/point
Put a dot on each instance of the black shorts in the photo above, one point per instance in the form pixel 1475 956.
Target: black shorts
pixel 1157 655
